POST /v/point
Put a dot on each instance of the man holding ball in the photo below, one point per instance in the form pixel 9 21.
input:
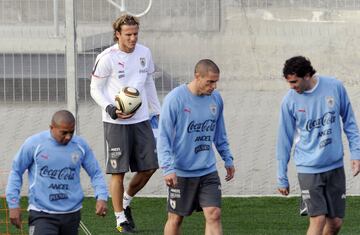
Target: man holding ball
pixel 129 138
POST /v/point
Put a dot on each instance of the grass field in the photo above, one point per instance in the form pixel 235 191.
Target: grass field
pixel 240 216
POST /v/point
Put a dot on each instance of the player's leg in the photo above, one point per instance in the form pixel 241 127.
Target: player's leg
pixel 173 224
pixel 182 201
pixel 316 225
pixel 212 220
pixel 209 195
pixel 332 226
pixel 312 192
pixel 138 181
pixel 117 191
pixel 335 195
pixel 118 147
pixel 143 161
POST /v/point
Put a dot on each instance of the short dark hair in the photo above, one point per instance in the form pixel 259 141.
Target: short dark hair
pixel 299 66
pixel 124 20
pixel 62 116
pixel 205 65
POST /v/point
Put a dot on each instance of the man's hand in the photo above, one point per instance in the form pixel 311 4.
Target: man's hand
pixel 101 207
pixel 123 115
pixel 15 217
pixel 171 180
pixel 230 171
pixel 355 167
pixel 284 191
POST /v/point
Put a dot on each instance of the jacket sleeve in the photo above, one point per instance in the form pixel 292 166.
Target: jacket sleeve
pixel 165 140
pixel 284 144
pixel 151 95
pixel 349 124
pixel 92 168
pixel 99 77
pixel 22 161
pixel 220 138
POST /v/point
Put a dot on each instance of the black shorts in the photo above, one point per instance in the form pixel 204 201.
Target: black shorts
pixel 41 223
pixel 324 193
pixel 194 193
pixel 130 146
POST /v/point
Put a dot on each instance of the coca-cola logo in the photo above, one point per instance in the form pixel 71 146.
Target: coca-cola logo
pixel 325 120
pixel 208 125
pixel 66 173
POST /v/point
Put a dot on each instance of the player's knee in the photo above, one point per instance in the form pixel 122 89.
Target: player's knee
pixel 318 221
pixel 117 178
pixel 213 215
pixel 335 224
pixel 149 173
pixel 175 220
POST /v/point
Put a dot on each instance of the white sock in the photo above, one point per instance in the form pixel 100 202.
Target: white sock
pixel 120 217
pixel 126 200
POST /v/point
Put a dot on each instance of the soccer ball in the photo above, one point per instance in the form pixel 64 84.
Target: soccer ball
pixel 128 100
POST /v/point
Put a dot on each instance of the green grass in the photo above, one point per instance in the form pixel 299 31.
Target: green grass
pixel 243 216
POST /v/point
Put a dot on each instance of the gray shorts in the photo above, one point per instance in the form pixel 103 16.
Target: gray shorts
pixel 129 146
pixel 324 193
pixel 41 223
pixel 194 193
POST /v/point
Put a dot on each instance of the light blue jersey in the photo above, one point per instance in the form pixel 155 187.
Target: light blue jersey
pixel 189 126
pixel 54 174
pixel 312 121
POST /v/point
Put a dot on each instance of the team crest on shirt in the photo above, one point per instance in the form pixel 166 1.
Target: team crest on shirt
pixel 330 101
pixel 213 109
pixel 75 156
pixel 142 61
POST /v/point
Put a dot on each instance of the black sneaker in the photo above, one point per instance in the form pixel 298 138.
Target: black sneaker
pixel 129 217
pixel 125 227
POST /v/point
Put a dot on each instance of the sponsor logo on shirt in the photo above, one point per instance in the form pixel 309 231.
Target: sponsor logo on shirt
pixel 207 125
pixel 59 186
pixel 202 147
pixel 66 173
pixel 121 71
pixel 327 119
pixel 58 196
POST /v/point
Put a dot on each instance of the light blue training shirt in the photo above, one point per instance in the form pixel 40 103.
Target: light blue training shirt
pixel 189 126
pixel 54 174
pixel 312 121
